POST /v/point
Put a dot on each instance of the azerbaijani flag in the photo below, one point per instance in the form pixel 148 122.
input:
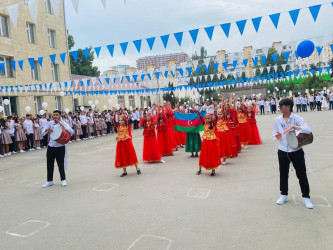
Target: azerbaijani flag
pixel 189 123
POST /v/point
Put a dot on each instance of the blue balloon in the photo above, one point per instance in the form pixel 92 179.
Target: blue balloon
pixel 305 48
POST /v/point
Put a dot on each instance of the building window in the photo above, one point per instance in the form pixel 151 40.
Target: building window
pixel 38 103
pixel 4 28
pixel 52 38
pixel 31 33
pixel 131 101
pixel 48 7
pixel 8 70
pixel 58 103
pixel 35 73
pixel 55 72
pixel 121 99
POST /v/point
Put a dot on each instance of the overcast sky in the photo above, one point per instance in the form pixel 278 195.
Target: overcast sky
pixel 139 19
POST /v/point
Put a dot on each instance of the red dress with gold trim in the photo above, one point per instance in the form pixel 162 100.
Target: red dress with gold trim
pixel 233 133
pixel 151 151
pixel 210 152
pixel 245 134
pixel 125 152
pixel 227 141
pixel 163 136
pixel 251 119
pixel 171 129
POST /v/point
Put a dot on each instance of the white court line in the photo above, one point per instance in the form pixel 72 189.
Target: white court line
pixel 199 193
pixel 100 188
pixel 154 236
pixel 36 184
pixel 147 166
pixel 328 204
pixel 46 224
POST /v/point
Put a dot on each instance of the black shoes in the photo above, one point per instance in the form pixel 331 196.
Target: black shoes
pixel 138 172
pixel 124 174
pixel 199 173
pixel 212 174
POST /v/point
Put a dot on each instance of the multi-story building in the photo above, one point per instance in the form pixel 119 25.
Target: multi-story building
pixel 161 60
pixel 32 39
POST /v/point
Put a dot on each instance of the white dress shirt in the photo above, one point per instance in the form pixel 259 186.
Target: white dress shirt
pixel 311 98
pixel 43 122
pixel 28 126
pixel 83 119
pixel 52 125
pixel 281 125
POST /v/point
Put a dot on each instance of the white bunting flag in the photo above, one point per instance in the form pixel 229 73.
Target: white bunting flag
pixel 206 61
pixel 275 68
pixel 21 88
pixel 104 3
pixel 33 9
pixel 13 10
pixel 278 48
pixel 76 5
pixel 56 7
pixel 195 64
pixel 265 50
pixel 284 66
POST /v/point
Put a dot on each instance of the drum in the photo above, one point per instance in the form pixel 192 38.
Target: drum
pixel 300 140
pixel 60 135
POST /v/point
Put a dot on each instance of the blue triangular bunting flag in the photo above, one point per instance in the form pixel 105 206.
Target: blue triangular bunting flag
pixel 165 40
pixel 179 37
pixel 181 72
pixel 319 49
pixel 13 65
pixel 75 55
pixel 194 35
pixel 97 50
pixel 209 32
pixel 157 74
pixel 32 63
pixel 166 73
pixel 2 68
pixel 142 77
pixel 294 15
pixel 189 70
pixel 53 57
pixel 296 54
pixel 275 57
pixel 245 61
pixel 286 55
pixel 124 47
pixel 135 77
pixel 150 42
pixel 20 63
pixel 86 53
pixel 63 57
pixel 314 11
pixel 111 49
pixel 256 23
pixel 137 45
pixel 264 59
pixel 40 60
pixel 216 66
pixel 198 69
pixel 234 63
pixel 241 25
pixel 226 28
pixel 206 68
pixel 331 46
pixel 225 65
pixel 255 61
pixel 275 19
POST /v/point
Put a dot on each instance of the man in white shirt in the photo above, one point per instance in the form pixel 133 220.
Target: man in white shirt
pixel 299 103
pixel 304 103
pixel 261 105
pixel 55 150
pixel 84 121
pixel 284 124
pixel 311 101
pixel 136 118
pixel 12 146
pixel 29 131
pixel 319 99
pixel 108 122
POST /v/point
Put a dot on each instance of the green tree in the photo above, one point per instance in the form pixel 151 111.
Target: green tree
pixel 82 66
pixel 170 96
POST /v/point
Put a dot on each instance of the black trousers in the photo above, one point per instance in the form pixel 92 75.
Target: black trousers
pixel 12 147
pixel 318 106
pixel 297 158
pixel 312 106
pixel 304 107
pixel 84 131
pixel 108 127
pixel 30 141
pixel 136 124
pixel 44 141
pixel 58 154
pixel 273 107
pixel 262 109
pixel 331 105
pixel 299 107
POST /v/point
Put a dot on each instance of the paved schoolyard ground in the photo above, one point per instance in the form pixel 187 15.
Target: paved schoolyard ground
pixel 168 206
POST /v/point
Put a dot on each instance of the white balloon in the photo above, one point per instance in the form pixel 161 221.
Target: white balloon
pixel 1 108
pixel 105 107
pixel 110 101
pixel 41 112
pixel 90 103
pixel 131 107
pixel 93 106
pixel 67 111
pixel 96 102
pixel 81 108
pixel 62 93
pixel 27 108
pixel 44 104
pixel 233 94
pixel 6 101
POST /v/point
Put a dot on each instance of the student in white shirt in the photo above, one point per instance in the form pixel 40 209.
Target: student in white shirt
pixel 29 131
pixel 311 101
pixel 84 121
pixel 56 151
pixel 284 124
pixel 304 104
pixel 318 101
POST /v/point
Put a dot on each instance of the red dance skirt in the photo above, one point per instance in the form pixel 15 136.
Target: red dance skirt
pixel 164 143
pixel 151 151
pixel 238 143
pixel 177 138
pixel 227 144
pixel 125 154
pixel 210 154
pixel 245 134
pixel 182 137
pixel 171 137
pixel 255 139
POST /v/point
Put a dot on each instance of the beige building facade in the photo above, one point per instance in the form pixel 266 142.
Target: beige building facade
pixel 32 39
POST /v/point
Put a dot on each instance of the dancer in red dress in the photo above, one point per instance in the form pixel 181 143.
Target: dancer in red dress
pixel 171 126
pixel 233 129
pixel 151 151
pixel 125 152
pixel 210 152
pixel 251 118
pixel 245 134
pixel 227 141
pixel 163 134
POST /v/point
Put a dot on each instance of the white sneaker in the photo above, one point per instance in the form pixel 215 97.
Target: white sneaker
pixel 9 153
pixel 224 162
pixel 33 149
pixel 14 152
pixel 64 183
pixel 5 155
pixel 162 161
pixel 70 142
pixel 283 199
pixel 38 148
pixel 307 203
pixel 245 146
pixel 22 151
pixel 48 184
pixel 1 156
